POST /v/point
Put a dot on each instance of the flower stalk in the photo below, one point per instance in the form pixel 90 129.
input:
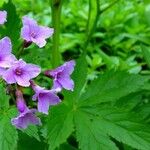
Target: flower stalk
pixel 56 6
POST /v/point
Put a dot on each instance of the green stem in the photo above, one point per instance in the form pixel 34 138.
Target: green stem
pixel 56 14
pixel 113 3
pixel 20 51
pixel 89 32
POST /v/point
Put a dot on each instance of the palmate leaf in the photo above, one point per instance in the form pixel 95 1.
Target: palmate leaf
pixel 112 86
pixel 89 135
pixel 32 131
pixel 4 99
pixel 60 125
pixel 13 25
pixel 8 133
pixel 123 126
pixel 94 118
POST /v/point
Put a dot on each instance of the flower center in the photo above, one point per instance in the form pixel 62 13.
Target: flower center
pixel 18 71
pixel 33 34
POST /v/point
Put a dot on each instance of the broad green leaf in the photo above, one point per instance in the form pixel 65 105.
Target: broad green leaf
pixel 8 133
pixel 4 99
pixel 32 131
pixel 60 125
pixel 26 143
pixel 66 146
pixel 89 135
pixel 12 26
pixel 79 78
pixel 146 54
pixel 131 133
pixel 111 86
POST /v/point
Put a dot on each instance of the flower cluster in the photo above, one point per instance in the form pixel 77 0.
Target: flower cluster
pixel 18 72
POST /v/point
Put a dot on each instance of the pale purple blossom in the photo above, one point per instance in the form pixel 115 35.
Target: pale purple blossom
pixel 61 76
pixel 21 73
pixel 3 16
pixel 26 116
pixel 32 32
pixel 46 98
pixel 6 58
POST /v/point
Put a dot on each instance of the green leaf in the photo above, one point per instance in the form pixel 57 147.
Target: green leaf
pixel 89 135
pixel 32 131
pixel 8 133
pixel 12 26
pixel 111 86
pixel 66 146
pixel 4 99
pixel 131 133
pixel 26 143
pixel 60 125
pixel 79 78
pixel 146 54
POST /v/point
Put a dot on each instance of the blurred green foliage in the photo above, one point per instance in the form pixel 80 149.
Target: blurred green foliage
pixel 114 38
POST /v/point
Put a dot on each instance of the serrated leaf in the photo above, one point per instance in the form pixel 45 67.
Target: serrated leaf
pixel 89 135
pixel 4 99
pixel 8 133
pixel 26 143
pixel 12 26
pixel 60 125
pixel 79 78
pixel 146 54
pixel 131 133
pixel 111 86
pixel 32 131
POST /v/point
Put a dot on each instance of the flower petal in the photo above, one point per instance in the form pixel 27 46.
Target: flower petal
pixel 67 83
pixel 3 16
pixel 5 46
pixel 8 76
pixel 32 70
pixel 45 32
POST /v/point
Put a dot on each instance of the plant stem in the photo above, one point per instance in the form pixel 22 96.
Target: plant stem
pixel 20 51
pixel 89 32
pixel 56 15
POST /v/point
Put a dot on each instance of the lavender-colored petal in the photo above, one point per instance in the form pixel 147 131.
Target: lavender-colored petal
pixel 45 32
pixel 67 83
pixel 8 76
pixel 25 33
pixel 5 46
pixel 69 67
pixel 2 71
pixel 40 42
pixel 25 119
pixel 32 70
pixel 56 85
pixel 21 105
pixel 28 21
pixel 32 32
pixel 23 80
pixel 35 97
pixel 45 99
pixel 3 16
pixel 7 60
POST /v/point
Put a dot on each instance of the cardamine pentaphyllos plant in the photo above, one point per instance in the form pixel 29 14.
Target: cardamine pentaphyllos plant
pixel 18 72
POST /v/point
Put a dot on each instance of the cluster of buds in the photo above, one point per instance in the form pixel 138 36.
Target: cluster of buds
pixel 20 73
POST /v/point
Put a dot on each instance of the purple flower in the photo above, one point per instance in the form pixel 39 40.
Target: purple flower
pixel 26 116
pixel 61 76
pixel 21 73
pixel 45 98
pixel 6 58
pixel 3 15
pixel 32 32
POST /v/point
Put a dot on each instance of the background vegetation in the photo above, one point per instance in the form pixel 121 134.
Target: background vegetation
pixel 110 107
